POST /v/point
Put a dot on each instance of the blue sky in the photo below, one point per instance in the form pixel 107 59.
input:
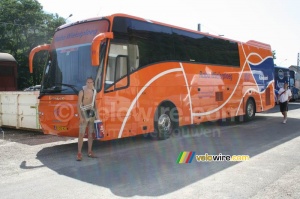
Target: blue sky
pixel 275 22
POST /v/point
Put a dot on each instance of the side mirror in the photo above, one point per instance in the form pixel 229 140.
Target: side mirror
pixel 35 50
pixel 95 48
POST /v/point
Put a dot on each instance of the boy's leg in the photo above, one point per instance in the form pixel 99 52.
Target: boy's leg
pixel 90 135
pixel 82 128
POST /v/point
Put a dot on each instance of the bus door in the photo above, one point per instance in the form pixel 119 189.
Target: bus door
pixel 118 97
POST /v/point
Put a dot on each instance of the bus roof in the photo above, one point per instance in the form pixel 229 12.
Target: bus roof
pixel 7 57
pixel 250 42
pixel 281 67
pixel 138 18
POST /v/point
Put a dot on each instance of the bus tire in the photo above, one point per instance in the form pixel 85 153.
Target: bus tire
pixel 164 123
pixel 250 110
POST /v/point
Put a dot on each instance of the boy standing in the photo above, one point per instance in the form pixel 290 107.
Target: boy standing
pixel 284 96
pixel 86 102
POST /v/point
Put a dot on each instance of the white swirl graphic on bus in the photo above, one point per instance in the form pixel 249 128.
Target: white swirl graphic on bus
pixel 63 111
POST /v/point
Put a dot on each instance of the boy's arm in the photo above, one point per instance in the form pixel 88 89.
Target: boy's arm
pixel 290 95
pixel 278 95
pixel 80 95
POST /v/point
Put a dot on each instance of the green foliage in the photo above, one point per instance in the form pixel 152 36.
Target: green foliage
pixel 274 54
pixel 24 25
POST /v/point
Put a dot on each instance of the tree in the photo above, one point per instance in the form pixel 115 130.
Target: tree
pixel 274 54
pixel 24 25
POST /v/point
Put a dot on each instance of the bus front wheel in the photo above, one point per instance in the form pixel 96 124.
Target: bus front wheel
pixel 250 110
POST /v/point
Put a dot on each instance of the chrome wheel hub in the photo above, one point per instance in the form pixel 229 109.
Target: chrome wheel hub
pixel 250 110
pixel 164 123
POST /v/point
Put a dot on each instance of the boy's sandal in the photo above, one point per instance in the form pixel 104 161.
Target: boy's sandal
pixel 79 157
pixel 91 154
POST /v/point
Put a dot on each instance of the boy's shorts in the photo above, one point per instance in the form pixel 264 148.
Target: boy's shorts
pixel 283 106
pixel 89 122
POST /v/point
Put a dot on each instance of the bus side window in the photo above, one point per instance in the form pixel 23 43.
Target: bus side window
pixel 110 73
pixel 111 69
pixel 122 71
pixel 121 67
pixel 133 57
pixel 117 72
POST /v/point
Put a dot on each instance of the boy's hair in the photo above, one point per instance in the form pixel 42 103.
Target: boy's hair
pixel 90 78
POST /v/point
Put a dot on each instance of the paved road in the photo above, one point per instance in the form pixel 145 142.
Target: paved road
pixel 33 165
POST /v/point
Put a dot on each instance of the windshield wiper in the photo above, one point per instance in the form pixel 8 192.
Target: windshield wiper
pixel 52 90
pixel 71 86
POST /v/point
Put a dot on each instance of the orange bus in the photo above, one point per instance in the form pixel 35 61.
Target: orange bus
pixel 150 77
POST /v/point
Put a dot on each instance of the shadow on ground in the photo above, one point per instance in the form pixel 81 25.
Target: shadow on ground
pixel 140 167
pixel 291 106
pixel 29 137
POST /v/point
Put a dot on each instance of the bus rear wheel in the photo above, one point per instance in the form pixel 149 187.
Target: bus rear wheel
pixel 163 123
pixel 250 110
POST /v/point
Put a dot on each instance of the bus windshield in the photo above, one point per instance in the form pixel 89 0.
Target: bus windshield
pixel 68 69
pixel 69 63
